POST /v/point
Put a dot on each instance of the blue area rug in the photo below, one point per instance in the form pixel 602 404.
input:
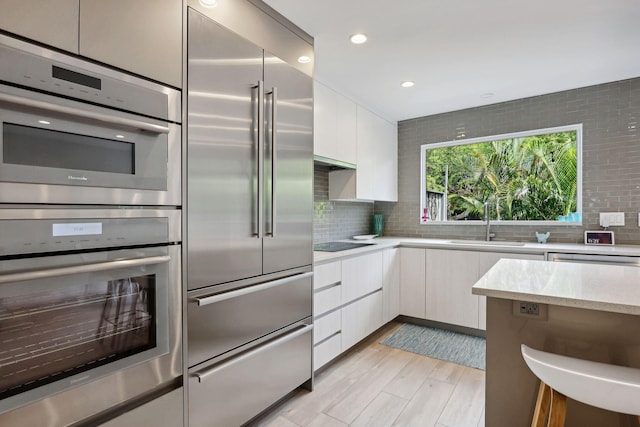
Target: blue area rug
pixel 440 344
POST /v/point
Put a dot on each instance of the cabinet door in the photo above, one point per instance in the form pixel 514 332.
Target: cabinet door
pixel 360 319
pixel 142 36
pixel 486 260
pixel 412 282
pixel 386 152
pixel 366 172
pixel 361 275
pixel 390 284
pixel 450 277
pixel 346 129
pixel 324 122
pixel 52 22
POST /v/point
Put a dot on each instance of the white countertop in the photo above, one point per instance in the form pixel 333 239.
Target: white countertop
pixel 610 288
pixel 495 246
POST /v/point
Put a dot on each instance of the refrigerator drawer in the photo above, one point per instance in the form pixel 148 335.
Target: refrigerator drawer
pixel 232 392
pixel 222 321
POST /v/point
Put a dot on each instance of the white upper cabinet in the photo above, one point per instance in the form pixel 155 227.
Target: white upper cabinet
pixel 376 175
pixel 142 36
pixel 334 126
pixel 52 22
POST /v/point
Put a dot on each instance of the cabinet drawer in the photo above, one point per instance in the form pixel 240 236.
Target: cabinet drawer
pixel 326 351
pixel 326 326
pixel 326 300
pixel 327 274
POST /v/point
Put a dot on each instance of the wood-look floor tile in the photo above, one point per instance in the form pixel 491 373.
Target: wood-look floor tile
pixel 466 403
pixel 424 409
pixel 411 377
pixel 447 372
pixel 381 412
pixel 353 401
pixel 323 420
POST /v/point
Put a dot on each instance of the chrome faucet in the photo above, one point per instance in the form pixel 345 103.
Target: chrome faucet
pixel 488 234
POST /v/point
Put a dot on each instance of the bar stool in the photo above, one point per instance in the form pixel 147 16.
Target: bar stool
pixel 611 387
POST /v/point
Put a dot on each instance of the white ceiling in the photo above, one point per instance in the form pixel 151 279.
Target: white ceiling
pixel 458 50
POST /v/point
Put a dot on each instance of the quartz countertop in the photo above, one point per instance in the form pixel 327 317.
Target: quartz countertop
pixel 382 243
pixel 611 288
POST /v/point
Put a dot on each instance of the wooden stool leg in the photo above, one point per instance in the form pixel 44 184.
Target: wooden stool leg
pixel 558 409
pixel 543 403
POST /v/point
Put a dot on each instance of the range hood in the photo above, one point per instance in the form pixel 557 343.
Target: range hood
pixel 333 163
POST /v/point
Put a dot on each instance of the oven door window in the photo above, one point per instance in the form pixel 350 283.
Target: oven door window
pixel 73 329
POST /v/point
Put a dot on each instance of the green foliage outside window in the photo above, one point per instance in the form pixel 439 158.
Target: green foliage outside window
pixel 524 178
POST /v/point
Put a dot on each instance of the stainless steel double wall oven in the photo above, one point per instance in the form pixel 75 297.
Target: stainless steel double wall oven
pixel 90 251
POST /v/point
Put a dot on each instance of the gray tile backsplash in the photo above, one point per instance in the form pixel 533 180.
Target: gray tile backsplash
pixel 611 159
pixel 334 220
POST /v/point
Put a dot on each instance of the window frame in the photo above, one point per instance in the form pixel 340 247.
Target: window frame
pixel 566 128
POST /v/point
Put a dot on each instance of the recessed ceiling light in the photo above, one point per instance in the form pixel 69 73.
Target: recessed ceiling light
pixel 407 83
pixel 304 59
pixel 358 38
pixel 120 136
pixel 487 95
pixel 44 122
pixel 208 3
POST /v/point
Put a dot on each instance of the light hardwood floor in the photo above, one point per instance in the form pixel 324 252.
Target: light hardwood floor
pixel 373 385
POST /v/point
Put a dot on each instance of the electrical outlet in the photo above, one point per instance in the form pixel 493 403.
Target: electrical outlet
pixel 611 219
pixel 530 308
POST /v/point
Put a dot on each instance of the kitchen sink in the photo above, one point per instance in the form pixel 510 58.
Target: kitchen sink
pixel 487 243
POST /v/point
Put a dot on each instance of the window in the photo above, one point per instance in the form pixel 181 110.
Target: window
pixel 524 176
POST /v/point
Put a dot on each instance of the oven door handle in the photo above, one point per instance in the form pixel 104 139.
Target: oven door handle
pixel 79 269
pixel 250 289
pixel 106 118
pixel 300 330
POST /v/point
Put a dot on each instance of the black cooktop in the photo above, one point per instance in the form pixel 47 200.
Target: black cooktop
pixel 338 246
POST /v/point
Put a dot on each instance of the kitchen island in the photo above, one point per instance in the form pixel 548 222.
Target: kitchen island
pixel 587 311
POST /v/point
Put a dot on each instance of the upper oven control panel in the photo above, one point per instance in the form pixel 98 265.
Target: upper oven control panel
pixel 44 70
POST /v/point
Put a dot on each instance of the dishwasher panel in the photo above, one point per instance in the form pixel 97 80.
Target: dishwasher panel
pixel 233 391
pixel 594 259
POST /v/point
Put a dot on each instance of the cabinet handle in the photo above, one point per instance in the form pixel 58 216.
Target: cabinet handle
pixel 250 289
pixel 302 329
pixel 85 114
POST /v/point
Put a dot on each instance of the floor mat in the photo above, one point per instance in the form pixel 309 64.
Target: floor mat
pixel 440 344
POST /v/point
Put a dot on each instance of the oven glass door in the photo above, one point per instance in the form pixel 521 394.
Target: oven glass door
pixel 78 317
pixel 59 141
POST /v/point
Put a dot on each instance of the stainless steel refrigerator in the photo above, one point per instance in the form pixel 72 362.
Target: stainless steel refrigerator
pixel 249 225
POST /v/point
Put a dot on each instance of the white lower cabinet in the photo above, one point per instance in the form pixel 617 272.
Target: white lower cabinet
pixel 390 284
pixel 449 277
pixel 348 301
pixel 435 284
pixel 412 282
pixel 361 318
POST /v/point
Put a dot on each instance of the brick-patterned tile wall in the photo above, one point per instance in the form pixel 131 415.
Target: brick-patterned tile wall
pixel 610 115
pixel 335 220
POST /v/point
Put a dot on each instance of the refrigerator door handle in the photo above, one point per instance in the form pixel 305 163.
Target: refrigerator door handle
pixel 271 232
pixel 300 330
pixel 258 191
pixel 250 289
